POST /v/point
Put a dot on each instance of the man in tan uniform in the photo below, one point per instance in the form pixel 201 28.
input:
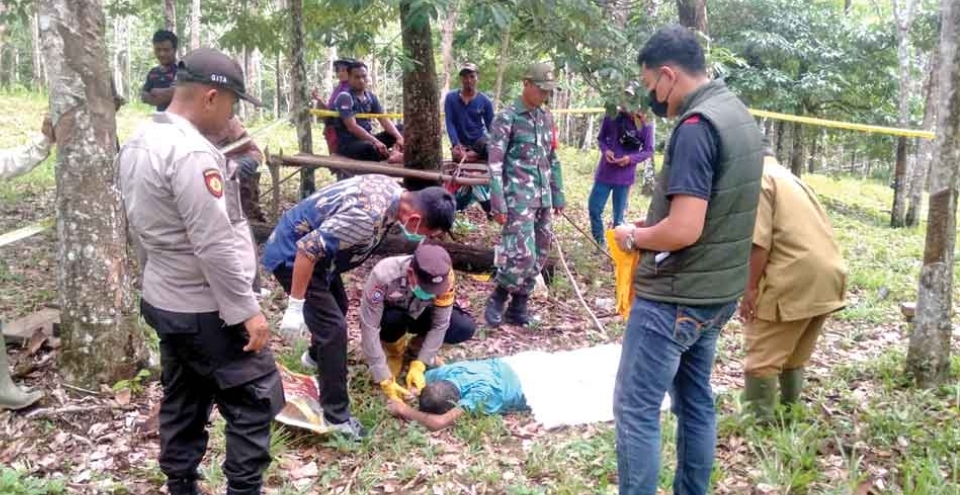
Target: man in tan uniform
pixel 182 201
pixel 797 278
pixel 410 294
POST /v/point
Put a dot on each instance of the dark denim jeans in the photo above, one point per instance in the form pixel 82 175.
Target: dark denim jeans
pixel 667 347
pixel 598 202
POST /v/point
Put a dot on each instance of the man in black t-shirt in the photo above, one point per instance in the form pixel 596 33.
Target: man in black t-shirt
pixel 158 88
pixel 354 135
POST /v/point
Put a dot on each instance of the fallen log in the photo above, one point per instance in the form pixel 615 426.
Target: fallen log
pixel 466 258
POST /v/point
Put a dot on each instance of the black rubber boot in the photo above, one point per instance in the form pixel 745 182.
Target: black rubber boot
pixel 517 313
pixel 182 487
pixel 494 312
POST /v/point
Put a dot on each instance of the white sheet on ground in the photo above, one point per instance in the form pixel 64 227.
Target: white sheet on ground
pixel 570 387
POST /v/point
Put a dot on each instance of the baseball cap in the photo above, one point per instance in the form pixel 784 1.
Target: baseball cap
pixel 213 68
pixel 432 266
pixel 542 75
pixel 468 67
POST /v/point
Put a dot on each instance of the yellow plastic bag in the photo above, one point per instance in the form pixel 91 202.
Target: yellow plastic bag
pixel 624 265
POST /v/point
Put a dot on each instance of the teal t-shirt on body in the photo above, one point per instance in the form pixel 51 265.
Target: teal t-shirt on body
pixel 487 386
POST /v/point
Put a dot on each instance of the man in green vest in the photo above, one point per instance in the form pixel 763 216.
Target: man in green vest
pixel 695 245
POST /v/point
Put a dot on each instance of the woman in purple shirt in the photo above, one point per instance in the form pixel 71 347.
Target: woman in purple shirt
pixel 626 139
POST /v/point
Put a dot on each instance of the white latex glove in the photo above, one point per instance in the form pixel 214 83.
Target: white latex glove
pixel 292 325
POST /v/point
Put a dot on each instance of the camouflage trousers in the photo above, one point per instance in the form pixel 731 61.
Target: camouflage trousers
pixel 523 249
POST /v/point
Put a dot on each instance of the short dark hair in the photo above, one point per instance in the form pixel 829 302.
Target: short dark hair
pixel 439 397
pixel 437 207
pixel 163 35
pixel 355 65
pixel 673 45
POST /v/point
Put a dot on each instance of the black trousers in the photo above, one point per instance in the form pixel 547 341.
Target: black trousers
pixel 324 312
pixel 395 323
pixel 203 363
pixel 362 150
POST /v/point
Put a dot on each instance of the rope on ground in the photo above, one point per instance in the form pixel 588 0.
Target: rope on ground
pixel 576 288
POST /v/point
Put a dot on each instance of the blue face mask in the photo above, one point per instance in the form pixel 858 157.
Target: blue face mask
pixel 411 236
pixel 422 294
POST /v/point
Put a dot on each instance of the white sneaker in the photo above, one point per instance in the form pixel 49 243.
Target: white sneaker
pixel 351 429
pixel 306 361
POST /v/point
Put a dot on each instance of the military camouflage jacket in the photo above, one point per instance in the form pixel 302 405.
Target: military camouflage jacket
pixel 524 169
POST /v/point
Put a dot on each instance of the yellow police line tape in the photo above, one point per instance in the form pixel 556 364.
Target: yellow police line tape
pixel 836 124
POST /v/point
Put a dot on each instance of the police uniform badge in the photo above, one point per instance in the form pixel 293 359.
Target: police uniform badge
pixel 376 295
pixel 214 182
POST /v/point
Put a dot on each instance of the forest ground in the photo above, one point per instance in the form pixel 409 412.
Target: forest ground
pixel 862 428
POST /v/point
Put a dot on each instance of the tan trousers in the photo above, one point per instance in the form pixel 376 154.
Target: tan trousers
pixel 774 346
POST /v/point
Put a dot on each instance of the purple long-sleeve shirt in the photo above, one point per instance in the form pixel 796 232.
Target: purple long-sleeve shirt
pixel 609 139
pixel 339 88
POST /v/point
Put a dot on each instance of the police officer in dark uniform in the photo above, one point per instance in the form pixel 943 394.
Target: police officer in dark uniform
pixel 183 206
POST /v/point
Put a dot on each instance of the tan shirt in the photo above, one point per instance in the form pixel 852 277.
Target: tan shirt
pixel 805 274
pixel 389 285
pixel 184 213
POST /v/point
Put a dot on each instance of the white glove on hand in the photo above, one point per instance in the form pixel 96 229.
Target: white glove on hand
pixel 292 325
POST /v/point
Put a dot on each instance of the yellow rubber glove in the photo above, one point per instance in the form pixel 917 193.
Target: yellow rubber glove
pixel 393 390
pixel 415 378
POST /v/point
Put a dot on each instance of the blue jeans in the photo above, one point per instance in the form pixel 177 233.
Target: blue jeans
pixel 667 347
pixel 597 203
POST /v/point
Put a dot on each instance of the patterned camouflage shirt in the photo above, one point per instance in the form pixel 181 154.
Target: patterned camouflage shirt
pixel 338 226
pixel 524 168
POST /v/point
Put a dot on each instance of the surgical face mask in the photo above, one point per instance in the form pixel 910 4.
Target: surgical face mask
pixel 411 236
pixel 422 294
pixel 656 106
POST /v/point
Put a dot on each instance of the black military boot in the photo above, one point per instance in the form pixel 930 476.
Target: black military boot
pixel 494 311
pixel 517 313
pixel 182 486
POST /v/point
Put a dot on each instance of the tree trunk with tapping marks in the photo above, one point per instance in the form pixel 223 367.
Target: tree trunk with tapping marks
pixel 195 25
pixel 693 14
pixel 101 340
pixel 903 13
pixel 918 174
pixel 421 98
pixel 170 15
pixel 928 356
pixel 446 45
pixel 501 67
pixel 300 106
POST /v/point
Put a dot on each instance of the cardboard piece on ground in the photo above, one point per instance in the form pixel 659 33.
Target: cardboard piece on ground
pixel 21 330
pixel 303 402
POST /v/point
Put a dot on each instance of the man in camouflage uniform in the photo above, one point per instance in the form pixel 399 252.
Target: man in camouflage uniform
pixel 525 184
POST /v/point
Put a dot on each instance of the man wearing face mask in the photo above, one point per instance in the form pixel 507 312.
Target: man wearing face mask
pixel 196 253
pixel 526 187
pixel 695 245
pixel 330 232
pixel 410 294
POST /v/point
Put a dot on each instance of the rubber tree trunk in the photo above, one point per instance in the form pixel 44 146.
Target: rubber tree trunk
pixel 903 11
pixel 693 14
pixel 195 25
pixel 170 15
pixel 928 356
pixel 101 339
pixel 446 45
pixel 796 156
pixel 501 67
pixel 421 98
pixel 300 106
pixel 918 174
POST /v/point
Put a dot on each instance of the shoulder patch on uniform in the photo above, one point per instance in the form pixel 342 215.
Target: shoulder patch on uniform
pixel 693 119
pixel 214 182
pixel 376 295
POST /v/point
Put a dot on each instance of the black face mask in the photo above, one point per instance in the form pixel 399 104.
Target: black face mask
pixel 657 107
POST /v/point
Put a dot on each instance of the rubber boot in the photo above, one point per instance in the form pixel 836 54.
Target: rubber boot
pixel 494 312
pixel 11 397
pixel 760 397
pixel 517 313
pixel 394 352
pixel 791 385
pixel 182 487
